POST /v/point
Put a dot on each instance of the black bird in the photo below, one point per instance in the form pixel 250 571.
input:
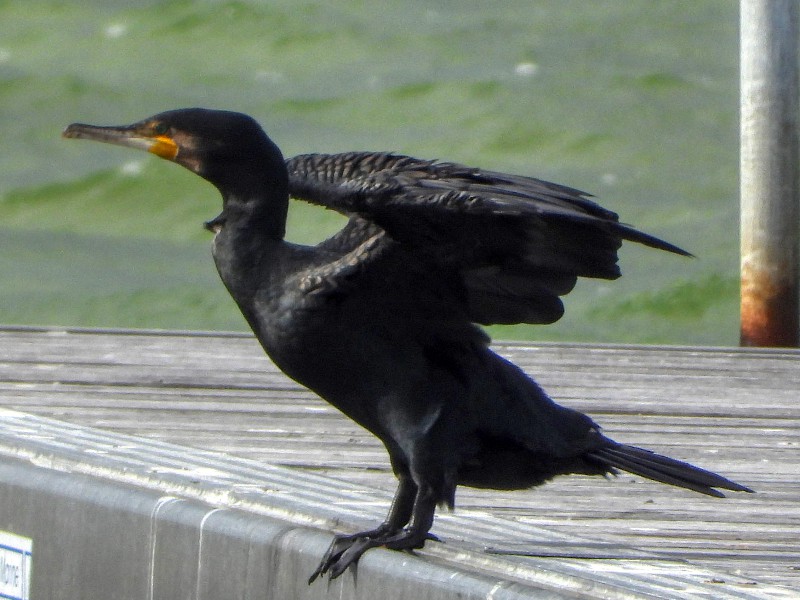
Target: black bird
pixel 380 319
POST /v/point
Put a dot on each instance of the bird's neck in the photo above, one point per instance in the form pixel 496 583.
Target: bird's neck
pixel 249 235
pixel 260 216
pixel 255 192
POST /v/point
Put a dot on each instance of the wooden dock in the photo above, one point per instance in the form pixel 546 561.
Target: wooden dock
pixel 207 419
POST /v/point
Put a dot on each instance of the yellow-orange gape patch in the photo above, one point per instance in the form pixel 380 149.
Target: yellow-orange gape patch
pixel 165 147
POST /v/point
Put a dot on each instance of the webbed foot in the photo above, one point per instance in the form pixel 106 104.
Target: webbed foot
pixel 346 550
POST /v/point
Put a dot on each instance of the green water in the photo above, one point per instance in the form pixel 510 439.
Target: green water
pixel 634 101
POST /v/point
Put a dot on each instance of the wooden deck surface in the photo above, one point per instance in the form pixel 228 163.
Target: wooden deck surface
pixel 733 411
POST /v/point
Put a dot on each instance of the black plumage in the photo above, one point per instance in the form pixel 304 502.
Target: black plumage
pixel 380 318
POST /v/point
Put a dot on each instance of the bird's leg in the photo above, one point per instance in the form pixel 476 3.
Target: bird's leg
pixel 399 514
pixel 410 538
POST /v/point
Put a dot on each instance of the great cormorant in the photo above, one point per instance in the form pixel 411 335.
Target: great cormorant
pixel 380 319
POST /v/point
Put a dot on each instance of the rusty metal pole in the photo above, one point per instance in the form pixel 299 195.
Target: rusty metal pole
pixel 770 173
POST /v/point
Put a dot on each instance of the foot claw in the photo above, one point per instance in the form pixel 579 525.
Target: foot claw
pixel 346 550
pixel 338 546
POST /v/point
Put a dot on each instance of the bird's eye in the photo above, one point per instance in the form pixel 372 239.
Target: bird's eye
pixel 160 128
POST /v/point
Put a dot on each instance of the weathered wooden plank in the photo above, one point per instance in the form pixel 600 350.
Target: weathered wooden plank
pixel 730 410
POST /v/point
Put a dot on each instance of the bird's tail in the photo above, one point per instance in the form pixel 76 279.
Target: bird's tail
pixel 664 469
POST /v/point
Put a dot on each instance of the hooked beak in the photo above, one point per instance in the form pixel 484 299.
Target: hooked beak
pixel 130 136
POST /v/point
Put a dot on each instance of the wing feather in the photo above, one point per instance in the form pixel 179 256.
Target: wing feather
pixel 516 243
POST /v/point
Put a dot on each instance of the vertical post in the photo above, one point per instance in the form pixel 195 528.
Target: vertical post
pixel 770 179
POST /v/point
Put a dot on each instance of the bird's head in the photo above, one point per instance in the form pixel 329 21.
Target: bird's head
pixel 229 149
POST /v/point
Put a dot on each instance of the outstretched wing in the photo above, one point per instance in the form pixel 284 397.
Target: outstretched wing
pixel 516 243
